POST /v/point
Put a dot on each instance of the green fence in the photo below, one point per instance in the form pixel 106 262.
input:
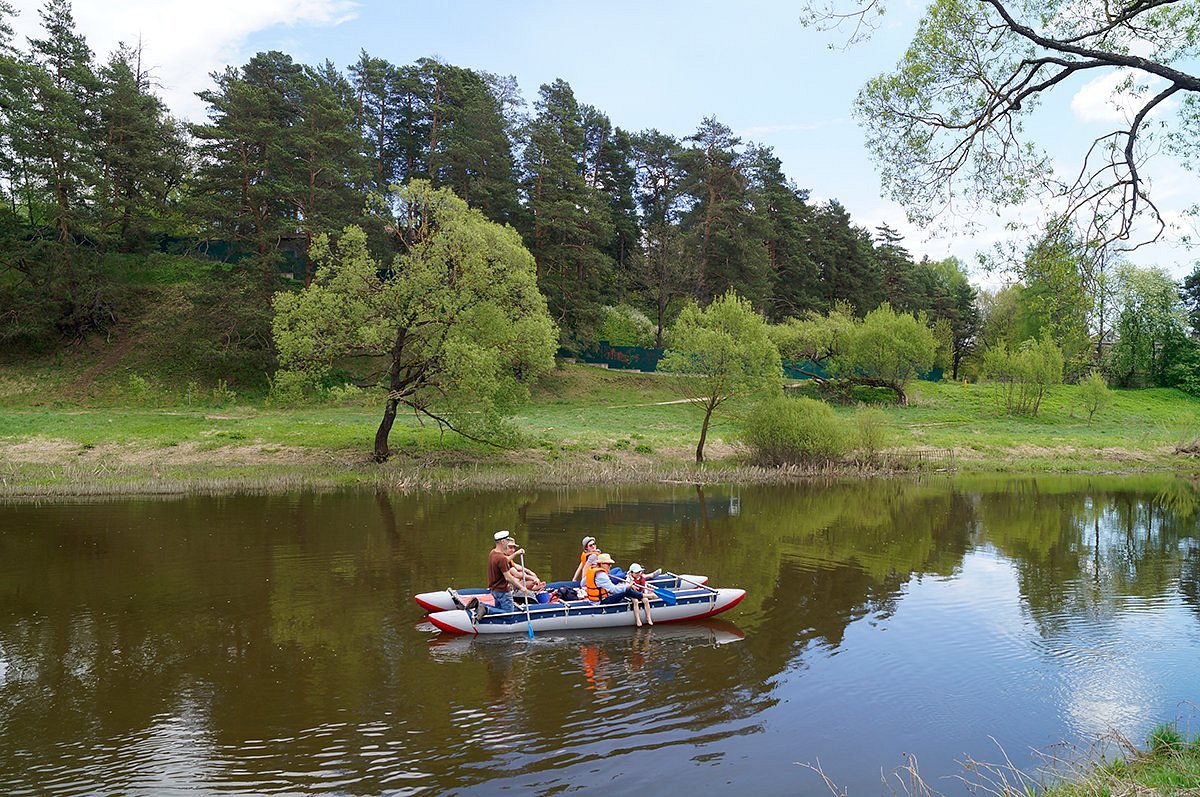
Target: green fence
pixel 641 358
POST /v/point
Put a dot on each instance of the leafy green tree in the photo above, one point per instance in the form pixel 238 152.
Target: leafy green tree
pixel 1190 293
pixel 1024 376
pixel 886 349
pixel 1056 300
pixel 946 126
pixel 456 319
pixel 814 338
pixel 1150 321
pixel 624 325
pixel 721 351
pixel 1094 393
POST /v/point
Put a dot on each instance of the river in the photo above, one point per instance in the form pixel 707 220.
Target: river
pixel 270 644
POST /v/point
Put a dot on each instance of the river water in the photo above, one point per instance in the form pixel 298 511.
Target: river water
pixel 259 645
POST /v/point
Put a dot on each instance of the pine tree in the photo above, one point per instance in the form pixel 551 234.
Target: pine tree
pixel 248 181
pixel 58 123
pixel 142 152
pixel 571 225
pixel 328 149
pixel 845 256
pixel 787 221
pixel 901 290
pixel 471 152
pixel 726 234
pixel 669 270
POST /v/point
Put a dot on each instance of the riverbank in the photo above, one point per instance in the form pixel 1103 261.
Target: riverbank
pixel 584 425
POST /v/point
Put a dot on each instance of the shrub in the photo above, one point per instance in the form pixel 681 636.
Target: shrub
pixel 783 430
pixel 1094 393
pixel 623 325
pixel 138 390
pixel 1024 376
pixel 871 432
pixel 289 388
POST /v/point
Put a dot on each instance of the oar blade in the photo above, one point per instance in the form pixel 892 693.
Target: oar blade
pixel 667 596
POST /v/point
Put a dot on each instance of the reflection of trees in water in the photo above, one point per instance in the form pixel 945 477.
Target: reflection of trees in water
pixel 277 614
pixel 1077 553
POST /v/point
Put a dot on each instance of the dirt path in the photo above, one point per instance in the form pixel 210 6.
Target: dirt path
pixel 112 355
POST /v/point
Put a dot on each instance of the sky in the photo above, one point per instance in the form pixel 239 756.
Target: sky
pixel 662 64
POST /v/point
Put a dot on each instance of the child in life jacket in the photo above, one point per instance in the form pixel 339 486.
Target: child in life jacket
pixel 637 580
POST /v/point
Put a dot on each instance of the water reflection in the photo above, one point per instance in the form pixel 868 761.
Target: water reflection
pixel 261 644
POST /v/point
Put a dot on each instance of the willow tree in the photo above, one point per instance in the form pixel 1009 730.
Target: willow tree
pixel 454 328
pixel 720 352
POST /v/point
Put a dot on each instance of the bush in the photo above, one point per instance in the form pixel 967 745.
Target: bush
pixel 1094 393
pixel 290 388
pixel 871 432
pixel 623 325
pixel 1024 376
pixel 783 430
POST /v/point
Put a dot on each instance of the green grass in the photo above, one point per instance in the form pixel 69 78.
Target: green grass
pixel 1170 764
pixel 579 414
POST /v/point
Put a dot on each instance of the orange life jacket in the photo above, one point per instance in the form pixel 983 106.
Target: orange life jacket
pixel 594 592
pixel 583 557
pixel 638 581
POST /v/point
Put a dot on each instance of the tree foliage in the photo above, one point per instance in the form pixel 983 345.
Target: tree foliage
pixel 1024 376
pixel 719 352
pixel 886 349
pixel 454 327
pixel 90 163
pixel 946 125
pixel 794 431
pixel 1151 328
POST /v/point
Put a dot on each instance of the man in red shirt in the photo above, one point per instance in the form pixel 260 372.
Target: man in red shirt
pixel 503 576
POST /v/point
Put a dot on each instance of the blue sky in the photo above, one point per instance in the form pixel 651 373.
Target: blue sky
pixel 661 63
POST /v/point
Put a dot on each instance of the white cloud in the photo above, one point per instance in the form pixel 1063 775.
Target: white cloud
pixel 184 40
pixel 1105 99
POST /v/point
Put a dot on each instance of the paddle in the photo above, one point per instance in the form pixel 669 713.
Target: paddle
pixel 666 595
pixel 528 618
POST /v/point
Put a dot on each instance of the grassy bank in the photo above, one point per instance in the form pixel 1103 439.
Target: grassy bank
pixel 77 425
pixel 1170 764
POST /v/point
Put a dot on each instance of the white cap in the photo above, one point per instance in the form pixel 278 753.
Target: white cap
pixel 635 568
pixel 503 534
pixel 586 540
